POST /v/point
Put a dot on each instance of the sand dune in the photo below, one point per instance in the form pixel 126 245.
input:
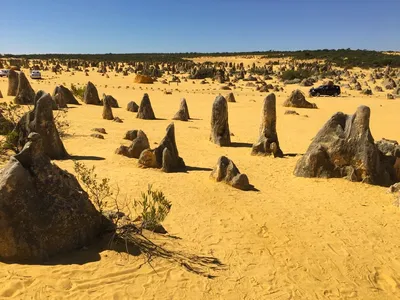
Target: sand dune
pixel 295 238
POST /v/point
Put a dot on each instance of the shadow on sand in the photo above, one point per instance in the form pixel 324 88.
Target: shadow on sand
pixel 190 169
pixel 159 247
pixel 86 157
pixel 240 145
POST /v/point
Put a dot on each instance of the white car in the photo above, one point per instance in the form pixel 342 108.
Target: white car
pixel 4 73
pixel 36 75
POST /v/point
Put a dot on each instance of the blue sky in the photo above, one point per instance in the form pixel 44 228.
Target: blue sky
pixel 117 26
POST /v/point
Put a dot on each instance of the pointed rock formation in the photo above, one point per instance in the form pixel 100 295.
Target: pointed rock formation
pixel 132 107
pixel 226 171
pixel 139 144
pixel 41 120
pixel 220 134
pixel 145 110
pixel 297 99
pixel 43 209
pixel 183 112
pixel 230 97
pixel 63 95
pixel 268 143
pixel 107 111
pixel 344 147
pixel 91 96
pixel 12 83
pixel 113 102
pixel 25 93
pixel 165 156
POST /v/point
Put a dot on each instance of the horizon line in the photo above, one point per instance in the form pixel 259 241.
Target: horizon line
pixel 194 52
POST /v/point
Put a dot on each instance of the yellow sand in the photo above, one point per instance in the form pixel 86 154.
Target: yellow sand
pixel 296 238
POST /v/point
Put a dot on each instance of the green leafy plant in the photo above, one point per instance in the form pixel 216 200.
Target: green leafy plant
pixel 153 208
pixel 99 189
pixel 77 91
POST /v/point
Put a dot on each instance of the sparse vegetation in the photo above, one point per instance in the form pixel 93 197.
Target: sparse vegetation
pixel 62 124
pixel 77 91
pixel 153 208
pixel 98 189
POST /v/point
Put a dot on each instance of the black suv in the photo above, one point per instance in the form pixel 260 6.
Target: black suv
pixel 327 90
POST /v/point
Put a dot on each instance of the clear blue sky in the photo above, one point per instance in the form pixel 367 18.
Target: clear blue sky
pixel 119 26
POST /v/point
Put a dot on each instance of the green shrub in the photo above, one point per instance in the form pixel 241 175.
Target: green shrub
pixel 154 208
pixel 77 91
pixel 98 189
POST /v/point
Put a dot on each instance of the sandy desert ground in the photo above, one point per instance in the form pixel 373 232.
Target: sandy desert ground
pixel 295 238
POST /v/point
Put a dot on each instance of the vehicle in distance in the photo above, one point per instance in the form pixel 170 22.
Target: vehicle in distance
pixel 36 75
pixel 4 73
pixel 325 90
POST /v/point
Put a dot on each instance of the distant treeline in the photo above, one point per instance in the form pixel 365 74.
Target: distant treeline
pixel 340 57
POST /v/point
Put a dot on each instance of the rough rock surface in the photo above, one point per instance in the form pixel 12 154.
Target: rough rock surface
pixel 41 120
pixel 12 83
pixel 113 102
pixel 143 79
pixel 5 125
pixel 139 144
pixel 43 209
pixel 226 171
pixel 230 97
pixel 131 135
pixel 25 93
pixel 297 99
pixel 145 110
pixel 107 111
pixel 220 134
pixel 132 107
pixel 91 96
pixel 268 143
pixel 64 95
pixel 344 147
pixel 165 156
pixel 183 112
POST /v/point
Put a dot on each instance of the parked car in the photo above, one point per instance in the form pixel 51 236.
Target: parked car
pixel 36 75
pixel 325 90
pixel 4 73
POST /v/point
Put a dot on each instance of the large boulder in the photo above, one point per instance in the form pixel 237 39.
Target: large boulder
pixel 132 107
pixel 344 147
pixel 25 93
pixel 43 209
pixel 139 144
pixel 183 112
pixel 268 143
pixel 62 95
pixel 145 110
pixel 12 83
pixel 143 79
pixel 91 96
pixel 107 111
pixel 297 99
pixel 41 120
pixel 165 156
pixel 227 172
pixel 220 133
